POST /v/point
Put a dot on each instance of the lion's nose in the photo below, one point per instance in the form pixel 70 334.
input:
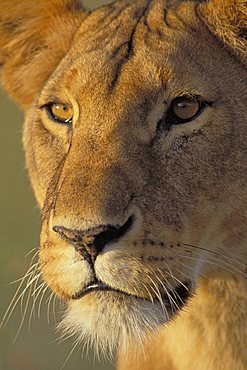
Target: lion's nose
pixel 89 243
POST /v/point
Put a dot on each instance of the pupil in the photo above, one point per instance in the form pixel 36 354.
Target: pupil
pixel 183 105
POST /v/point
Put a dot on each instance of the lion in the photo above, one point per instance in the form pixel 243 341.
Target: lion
pixel 135 141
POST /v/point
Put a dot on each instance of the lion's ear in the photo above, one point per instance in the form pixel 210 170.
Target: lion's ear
pixel 227 19
pixel 34 37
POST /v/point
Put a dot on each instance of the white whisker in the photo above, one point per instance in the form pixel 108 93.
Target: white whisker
pixel 48 301
pixel 69 355
pixel 35 294
pixel 17 298
pixel 222 264
pixel 41 299
pixel 33 305
pixel 223 255
pixel 23 317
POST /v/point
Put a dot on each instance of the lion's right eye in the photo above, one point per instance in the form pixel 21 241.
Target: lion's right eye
pixel 60 112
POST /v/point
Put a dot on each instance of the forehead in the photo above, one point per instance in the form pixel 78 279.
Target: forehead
pixel 133 44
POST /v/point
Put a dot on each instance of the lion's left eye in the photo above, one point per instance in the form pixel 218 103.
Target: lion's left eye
pixel 60 112
pixel 184 109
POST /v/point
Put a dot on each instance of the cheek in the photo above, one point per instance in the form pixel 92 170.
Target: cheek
pixel 62 268
pixel 44 154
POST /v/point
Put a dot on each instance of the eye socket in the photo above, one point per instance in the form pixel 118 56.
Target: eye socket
pixel 60 112
pixel 184 109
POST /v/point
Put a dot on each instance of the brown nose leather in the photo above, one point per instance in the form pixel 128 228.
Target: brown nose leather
pixel 91 242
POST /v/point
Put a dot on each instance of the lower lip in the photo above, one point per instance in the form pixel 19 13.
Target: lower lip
pixel 94 288
pixel 183 292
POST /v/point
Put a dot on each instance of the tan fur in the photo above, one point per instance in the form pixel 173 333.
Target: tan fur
pixel 34 38
pixel 120 67
pixel 228 19
pixel 205 336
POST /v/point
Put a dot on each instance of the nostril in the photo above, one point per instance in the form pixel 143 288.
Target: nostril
pixel 91 242
pixel 112 234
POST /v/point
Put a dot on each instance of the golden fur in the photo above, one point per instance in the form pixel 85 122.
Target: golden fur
pixel 184 189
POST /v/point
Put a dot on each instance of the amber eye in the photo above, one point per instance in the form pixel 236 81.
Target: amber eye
pixel 59 112
pixel 184 109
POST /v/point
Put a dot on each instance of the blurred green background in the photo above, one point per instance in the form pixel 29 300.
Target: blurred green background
pixel 37 347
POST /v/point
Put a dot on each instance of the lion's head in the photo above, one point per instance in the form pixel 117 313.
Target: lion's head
pixel 135 141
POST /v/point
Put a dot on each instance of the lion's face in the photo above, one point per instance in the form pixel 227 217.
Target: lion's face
pixel 142 169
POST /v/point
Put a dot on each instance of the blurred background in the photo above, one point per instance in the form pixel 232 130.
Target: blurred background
pixel 31 344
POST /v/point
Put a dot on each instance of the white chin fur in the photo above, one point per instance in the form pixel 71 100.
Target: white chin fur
pixel 107 320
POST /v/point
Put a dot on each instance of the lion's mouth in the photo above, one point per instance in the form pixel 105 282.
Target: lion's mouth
pixel 174 299
pixel 99 286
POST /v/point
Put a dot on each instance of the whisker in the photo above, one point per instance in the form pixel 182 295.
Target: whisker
pixel 188 278
pixel 48 301
pixel 13 303
pixel 23 317
pixel 41 299
pixel 28 273
pixel 148 292
pixel 64 337
pixel 54 307
pixel 27 285
pixel 36 292
pixel 35 295
pixel 229 265
pixel 70 354
pixel 156 291
pixel 215 253
pixel 173 303
pixel 31 251
pixel 33 306
pixel 181 283
pixel 176 280
pixel 190 268
pixel 221 265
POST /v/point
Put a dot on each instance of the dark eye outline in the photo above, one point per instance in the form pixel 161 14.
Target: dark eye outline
pixel 48 108
pixel 171 119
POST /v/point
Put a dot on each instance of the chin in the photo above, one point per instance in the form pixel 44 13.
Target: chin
pixel 108 320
